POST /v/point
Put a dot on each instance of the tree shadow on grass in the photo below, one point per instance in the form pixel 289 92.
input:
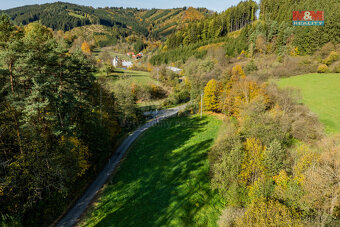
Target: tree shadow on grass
pixel 164 180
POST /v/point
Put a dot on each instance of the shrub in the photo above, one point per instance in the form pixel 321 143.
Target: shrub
pixel 250 67
pixel 304 125
pixel 177 97
pixel 294 51
pixel 326 49
pixel 229 216
pixel 225 159
pixel 258 122
pixel 322 68
pixel 336 68
pixel 157 92
pixel 333 56
pixel 269 213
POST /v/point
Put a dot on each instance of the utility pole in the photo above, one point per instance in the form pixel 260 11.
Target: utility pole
pixel 201 104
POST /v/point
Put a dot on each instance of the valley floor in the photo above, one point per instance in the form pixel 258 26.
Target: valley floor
pixel 164 179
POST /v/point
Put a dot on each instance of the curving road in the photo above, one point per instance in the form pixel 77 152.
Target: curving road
pixel 72 216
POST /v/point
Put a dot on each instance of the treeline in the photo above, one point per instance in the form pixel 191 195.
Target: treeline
pixel 66 16
pixel 57 124
pixel 218 25
pixel 56 16
pixel 269 162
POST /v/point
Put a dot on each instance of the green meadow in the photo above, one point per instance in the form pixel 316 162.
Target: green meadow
pixel 164 180
pixel 321 93
pixel 129 76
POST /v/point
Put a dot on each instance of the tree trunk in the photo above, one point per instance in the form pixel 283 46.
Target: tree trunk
pixel 11 77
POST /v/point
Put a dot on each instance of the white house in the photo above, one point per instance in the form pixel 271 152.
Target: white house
pixel 174 69
pixel 115 61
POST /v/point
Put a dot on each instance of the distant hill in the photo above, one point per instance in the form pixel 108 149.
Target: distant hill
pixel 156 23
pixel 164 22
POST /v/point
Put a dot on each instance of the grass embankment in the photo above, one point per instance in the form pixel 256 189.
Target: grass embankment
pixel 321 93
pixel 164 180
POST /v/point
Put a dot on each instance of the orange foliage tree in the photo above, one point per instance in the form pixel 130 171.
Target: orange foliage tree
pixel 86 48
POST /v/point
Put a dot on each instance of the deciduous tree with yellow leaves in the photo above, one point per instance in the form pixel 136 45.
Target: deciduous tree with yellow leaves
pixel 86 48
pixel 252 167
pixel 212 92
pixel 239 91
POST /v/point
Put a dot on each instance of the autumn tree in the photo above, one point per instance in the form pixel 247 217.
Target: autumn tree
pixel 86 48
pixel 252 166
pixel 240 91
pixel 237 73
pixel 212 93
pixel 269 213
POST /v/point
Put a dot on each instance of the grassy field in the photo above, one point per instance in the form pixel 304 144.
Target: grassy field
pixel 134 77
pixel 164 180
pixel 321 93
pixel 130 76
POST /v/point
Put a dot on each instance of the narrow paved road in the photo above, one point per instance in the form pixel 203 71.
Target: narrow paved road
pixel 72 216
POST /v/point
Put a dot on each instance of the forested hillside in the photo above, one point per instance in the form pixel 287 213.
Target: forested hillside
pixel 61 16
pixel 273 32
pixel 218 25
pixel 65 16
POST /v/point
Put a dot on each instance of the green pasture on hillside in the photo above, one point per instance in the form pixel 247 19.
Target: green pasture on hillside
pixel 321 93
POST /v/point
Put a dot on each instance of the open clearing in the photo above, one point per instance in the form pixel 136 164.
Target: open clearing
pixel 321 93
pixel 130 77
pixel 164 180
